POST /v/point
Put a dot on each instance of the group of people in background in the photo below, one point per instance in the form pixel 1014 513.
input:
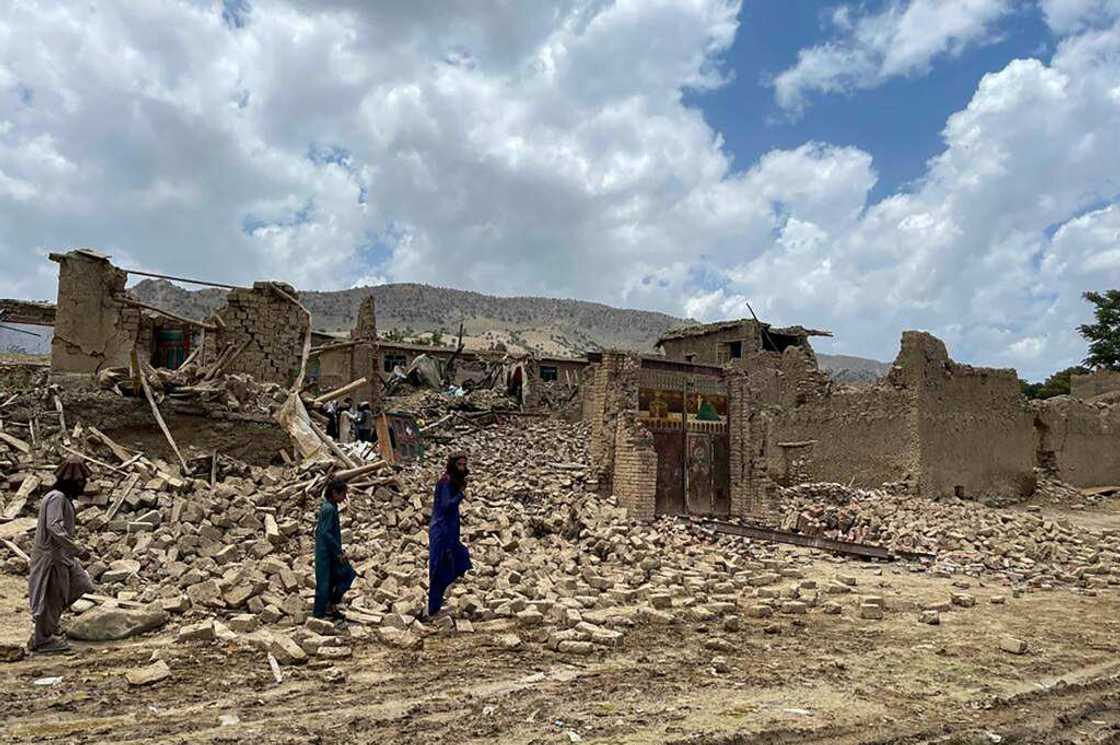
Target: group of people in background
pixel 347 424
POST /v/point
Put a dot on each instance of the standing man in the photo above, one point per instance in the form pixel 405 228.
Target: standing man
pixel 365 422
pixel 57 579
pixel 346 419
pixel 448 558
pixel 333 573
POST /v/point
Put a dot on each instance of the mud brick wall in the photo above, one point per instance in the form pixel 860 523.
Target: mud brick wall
pixel 751 489
pixel 365 361
pixel 1079 441
pixel 975 429
pixel 614 391
pixel 92 329
pixel 705 347
pixel 634 476
pixel 866 437
pixel 335 368
pixel 1096 383
pixel 274 328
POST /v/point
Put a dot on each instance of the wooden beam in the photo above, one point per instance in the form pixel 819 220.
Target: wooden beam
pixel 93 460
pixel 351 473
pixel 15 442
pixel 183 279
pixel 159 420
pixel 174 316
pixel 339 392
pixel 122 453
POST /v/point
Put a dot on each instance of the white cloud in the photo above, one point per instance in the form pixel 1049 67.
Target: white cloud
pixel 901 40
pixel 340 143
pixel 1071 16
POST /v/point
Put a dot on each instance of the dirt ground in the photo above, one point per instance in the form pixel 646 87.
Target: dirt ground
pixel 812 678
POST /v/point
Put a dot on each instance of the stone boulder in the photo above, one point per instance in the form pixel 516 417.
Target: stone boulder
pixel 109 624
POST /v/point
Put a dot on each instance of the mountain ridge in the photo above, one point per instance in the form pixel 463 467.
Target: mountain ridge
pixel 418 312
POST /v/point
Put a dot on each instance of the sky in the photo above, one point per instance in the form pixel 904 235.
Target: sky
pixel 866 167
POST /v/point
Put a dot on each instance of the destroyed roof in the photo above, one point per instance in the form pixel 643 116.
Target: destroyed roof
pixel 797 331
pixel 703 329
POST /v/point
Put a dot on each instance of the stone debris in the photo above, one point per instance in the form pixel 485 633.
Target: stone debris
pixel 149 675
pixel 967 538
pixel 110 624
pixel 1012 645
pixel 224 551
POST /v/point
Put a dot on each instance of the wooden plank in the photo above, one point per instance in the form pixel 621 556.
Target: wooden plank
pixel 15 442
pixel 116 505
pixel 122 453
pixel 331 444
pixel 15 550
pixel 93 460
pixel 26 489
pixel 159 419
pixel 384 441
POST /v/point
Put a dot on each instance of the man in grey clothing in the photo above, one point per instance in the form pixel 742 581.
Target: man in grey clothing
pixel 57 578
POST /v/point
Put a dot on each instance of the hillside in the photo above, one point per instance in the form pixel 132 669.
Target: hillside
pixel 544 325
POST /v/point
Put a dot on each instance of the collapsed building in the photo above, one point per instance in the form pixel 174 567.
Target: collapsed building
pixel 729 411
pixel 736 409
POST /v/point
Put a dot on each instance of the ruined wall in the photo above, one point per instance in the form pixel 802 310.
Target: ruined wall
pixel 614 391
pixel 705 348
pixel 1079 440
pixel 634 475
pixel 975 429
pixel 364 357
pixel 1094 384
pixel 92 329
pixel 271 327
pixel 750 486
pixel 865 437
pixel 335 368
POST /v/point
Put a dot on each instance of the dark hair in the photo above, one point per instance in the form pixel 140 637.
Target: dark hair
pixel 335 486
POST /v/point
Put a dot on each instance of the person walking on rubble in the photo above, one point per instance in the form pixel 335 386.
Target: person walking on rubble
pixel 57 578
pixel 448 558
pixel 333 573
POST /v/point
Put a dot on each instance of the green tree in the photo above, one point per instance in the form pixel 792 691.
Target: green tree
pixel 1104 335
pixel 437 338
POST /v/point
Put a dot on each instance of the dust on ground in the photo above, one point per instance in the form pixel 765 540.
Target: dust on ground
pixel 811 678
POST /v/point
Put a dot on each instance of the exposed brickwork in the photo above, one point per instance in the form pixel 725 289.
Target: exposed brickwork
pixel 634 477
pixel 273 326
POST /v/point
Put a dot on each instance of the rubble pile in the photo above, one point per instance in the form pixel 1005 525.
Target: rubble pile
pixel 554 562
pixel 966 537
pixel 202 390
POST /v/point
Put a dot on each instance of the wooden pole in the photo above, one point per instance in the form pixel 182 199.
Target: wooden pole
pixel 351 473
pixel 338 392
pixel 159 419
pixel 173 316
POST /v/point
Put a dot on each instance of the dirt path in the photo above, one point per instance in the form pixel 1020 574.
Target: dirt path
pixel 812 678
